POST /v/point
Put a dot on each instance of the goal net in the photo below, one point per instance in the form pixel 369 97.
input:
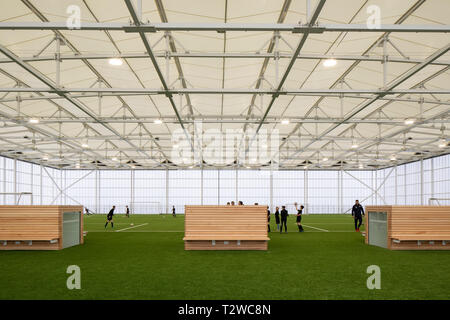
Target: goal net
pixel 439 201
pixel 16 198
pixel 149 207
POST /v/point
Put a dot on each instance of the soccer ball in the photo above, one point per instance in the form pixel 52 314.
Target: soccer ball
pixel 131 224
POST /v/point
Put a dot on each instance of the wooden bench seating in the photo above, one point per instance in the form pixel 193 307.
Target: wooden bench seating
pixel 34 227
pixel 408 237
pixel 226 228
pixel 224 237
pixel 415 227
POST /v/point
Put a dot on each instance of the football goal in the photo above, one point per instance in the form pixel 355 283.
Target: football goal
pixel 439 201
pixel 16 198
pixel 147 207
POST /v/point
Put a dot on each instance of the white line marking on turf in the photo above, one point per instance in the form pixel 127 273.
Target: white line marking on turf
pixel 329 223
pixel 173 231
pixel 153 231
pixel 140 225
pixel 324 230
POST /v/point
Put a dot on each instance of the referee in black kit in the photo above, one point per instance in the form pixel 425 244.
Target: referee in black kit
pixel 357 214
pixel 284 215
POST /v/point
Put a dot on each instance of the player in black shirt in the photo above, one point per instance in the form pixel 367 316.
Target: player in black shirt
pixel 277 218
pixel 173 211
pixel 284 216
pixel 109 217
pixel 357 213
pixel 268 218
pixel 299 217
pixel 127 214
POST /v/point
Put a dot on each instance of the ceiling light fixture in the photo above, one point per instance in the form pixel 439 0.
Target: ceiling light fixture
pixel 442 143
pixel 33 120
pixel 157 121
pixel 285 121
pixel 115 62
pixel 329 63
pixel 409 121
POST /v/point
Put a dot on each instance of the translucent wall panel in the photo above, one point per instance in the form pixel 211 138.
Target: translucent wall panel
pixel 81 188
pixel 24 182
pixel 36 188
pixel 356 185
pixel 8 183
pixel 378 198
pixel 227 190
pixel 254 187
pixel 114 189
pixel 413 181
pixel 2 178
pixel 3 182
pixel 388 189
pixel 211 187
pixel 23 179
pixel 144 190
pixel 384 180
pixel 401 185
pixel 442 178
pixel 323 192
pixel 427 180
pixel 50 192
pixel 149 191
pixel 288 188
pixel 184 188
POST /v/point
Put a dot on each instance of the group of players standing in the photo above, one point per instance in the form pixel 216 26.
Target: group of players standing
pixel 281 218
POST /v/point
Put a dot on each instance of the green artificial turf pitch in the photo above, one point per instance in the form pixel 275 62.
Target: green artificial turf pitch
pixel 328 261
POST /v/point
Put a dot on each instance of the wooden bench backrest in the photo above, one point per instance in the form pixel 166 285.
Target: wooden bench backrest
pixel 33 222
pixel 416 222
pixel 226 223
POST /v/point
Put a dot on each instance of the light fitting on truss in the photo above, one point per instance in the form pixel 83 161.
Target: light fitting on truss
pixel 442 140
pixel 115 61
pixel 329 63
